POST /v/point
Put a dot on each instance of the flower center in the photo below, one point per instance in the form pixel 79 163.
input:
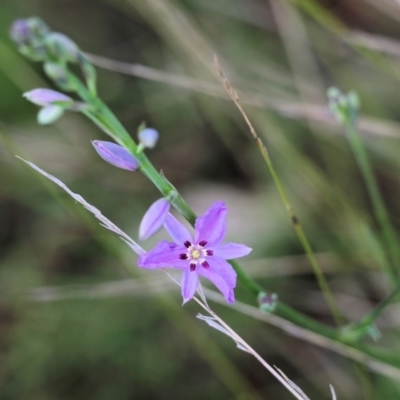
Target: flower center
pixel 196 254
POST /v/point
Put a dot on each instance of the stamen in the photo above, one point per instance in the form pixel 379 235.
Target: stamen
pixel 203 243
pixel 183 256
pixel 187 244
pixel 192 267
pixel 209 252
pixel 205 264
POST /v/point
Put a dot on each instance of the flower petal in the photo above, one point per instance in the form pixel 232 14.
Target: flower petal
pixel 189 283
pixel 115 155
pixel 222 275
pixel 229 251
pixel 164 255
pixel 154 218
pixel 177 231
pixel 211 227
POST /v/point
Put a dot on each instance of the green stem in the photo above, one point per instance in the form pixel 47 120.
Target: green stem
pixel 380 211
pixel 306 245
pixel 371 316
pixel 302 320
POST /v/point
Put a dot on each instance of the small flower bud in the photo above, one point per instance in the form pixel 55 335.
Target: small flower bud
pixel 38 28
pixel 29 35
pixel 267 301
pixel 20 32
pixel 148 137
pixel 46 97
pixel 58 74
pixel 89 72
pixel 115 155
pixel 61 46
pixel 154 218
pixel 49 114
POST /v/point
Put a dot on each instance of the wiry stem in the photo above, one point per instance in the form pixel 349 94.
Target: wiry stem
pixel 295 221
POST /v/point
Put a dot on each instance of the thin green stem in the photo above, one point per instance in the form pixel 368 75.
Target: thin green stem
pixel 380 211
pixel 371 316
pixel 295 221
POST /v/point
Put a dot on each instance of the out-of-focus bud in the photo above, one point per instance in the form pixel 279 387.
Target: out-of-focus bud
pixel 148 137
pixel 344 106
pixel 49 114
pixel 38 28
pixel 267 301
pixel 62 46
pixel 20 32
pixel 58 74
pixel 115 155
pixel 154 218
pixel 46 97
pixel 89 72
pixel 29 35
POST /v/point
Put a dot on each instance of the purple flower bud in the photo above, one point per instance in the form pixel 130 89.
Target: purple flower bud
pixel 154 218
pixel 115 155
pixel 46 97
pixel 148 137
pixel 49 114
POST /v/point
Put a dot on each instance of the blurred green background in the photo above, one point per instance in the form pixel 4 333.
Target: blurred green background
pixel 74 324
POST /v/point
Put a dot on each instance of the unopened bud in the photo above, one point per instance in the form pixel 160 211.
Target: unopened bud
pixel 61 46
pixel 20 32
pixel 89 72
pixel 46 97
pixel 148 137
pixel 267 301
pixel 38 28
pixel 49 114
pixel 29 35
pixel 116 155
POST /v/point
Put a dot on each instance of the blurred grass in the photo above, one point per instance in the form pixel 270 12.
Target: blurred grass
pixel 138 346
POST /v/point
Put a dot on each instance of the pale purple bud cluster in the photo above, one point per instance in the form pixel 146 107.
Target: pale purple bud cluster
pixel 115 155
pixel 29 35
pixel 154 218
pixel 148 137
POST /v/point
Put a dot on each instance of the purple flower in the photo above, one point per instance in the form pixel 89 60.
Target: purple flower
pixel 202 255
pixel 154 218
pixel 47 97
pixel 115 155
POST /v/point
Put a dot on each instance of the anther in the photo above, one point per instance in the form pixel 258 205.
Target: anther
pixel 192 267
pixel 183 256
pixel 203 243
pixel 187 244
pixel 209 252
pixel 205 264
